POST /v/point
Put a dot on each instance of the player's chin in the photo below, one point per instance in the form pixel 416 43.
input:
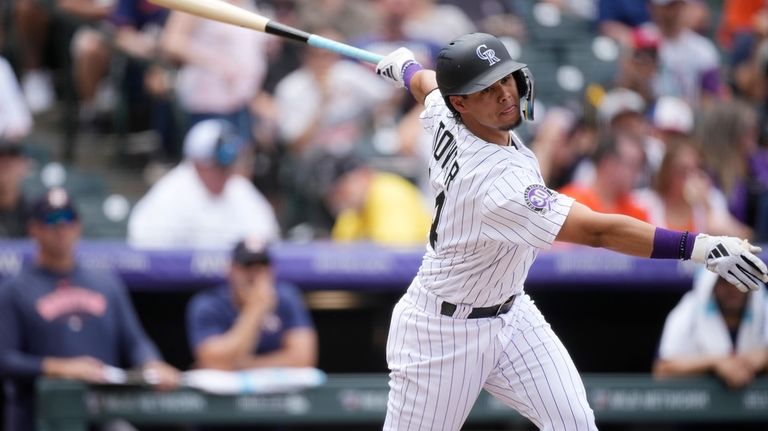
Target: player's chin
pixel 509 119
pixel 511 125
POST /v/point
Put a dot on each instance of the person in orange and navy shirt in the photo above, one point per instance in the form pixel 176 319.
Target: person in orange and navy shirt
pixel 60 319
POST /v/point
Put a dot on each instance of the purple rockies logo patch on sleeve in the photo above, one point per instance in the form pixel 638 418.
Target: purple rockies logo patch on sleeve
pixel 539 198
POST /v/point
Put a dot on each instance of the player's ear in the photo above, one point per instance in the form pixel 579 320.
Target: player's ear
pixel 458 103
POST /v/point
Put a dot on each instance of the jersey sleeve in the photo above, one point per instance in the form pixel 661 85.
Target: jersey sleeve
pixel 519 209
pixel 204 319
pixel 434 110
pixel 13 361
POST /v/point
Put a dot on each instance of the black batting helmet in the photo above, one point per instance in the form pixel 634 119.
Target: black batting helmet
pixel 475 61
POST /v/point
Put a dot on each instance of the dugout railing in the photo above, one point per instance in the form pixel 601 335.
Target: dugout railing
pixel 361 399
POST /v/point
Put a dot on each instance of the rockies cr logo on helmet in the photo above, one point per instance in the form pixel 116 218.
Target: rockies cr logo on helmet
pixel 487 54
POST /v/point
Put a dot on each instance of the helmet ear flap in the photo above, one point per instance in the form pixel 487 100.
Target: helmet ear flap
pixel 525 88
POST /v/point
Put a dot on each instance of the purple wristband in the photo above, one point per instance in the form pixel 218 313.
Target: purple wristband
pixel 409 70
pixel 669 244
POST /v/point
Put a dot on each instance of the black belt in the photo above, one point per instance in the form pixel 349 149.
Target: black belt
pixel 447 309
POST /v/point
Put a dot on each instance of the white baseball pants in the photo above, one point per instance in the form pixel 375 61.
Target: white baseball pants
pixel 439 364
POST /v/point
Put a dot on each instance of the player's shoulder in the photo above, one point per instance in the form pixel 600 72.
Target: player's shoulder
pixel 289 293
pixel 212 298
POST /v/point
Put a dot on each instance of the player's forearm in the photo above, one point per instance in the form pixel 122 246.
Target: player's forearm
pixel 299 349
pixel 615 232
pixel 227 350
pixel 279 358
pixel 423 83
pixel 684 366
pixel 18 364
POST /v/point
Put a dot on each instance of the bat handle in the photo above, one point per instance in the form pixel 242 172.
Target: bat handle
pixel 344 49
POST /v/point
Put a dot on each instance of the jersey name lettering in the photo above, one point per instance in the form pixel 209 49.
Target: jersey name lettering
pixel 446 150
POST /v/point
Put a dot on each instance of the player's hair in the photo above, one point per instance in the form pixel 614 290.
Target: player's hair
pixel 454 113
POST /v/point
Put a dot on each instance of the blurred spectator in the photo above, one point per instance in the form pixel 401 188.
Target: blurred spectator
pixel 328 103
pixel 619 161
pixel 91 61
pixel 389 33
pixel 560 143
pixel 14 213
pixel 32 22
pixel 583 9
pixel 84 22
pixel 683 197
pixel 370 205
pixel 672 120
pixel 350 18
pixel 738 22
pixel 60 319
pixel 497 17
pixel 131 33
pixel 728 136
pixel 618 19
pixel 15 118
pixel 251 322
pixel 15 125
pixel 203 202
pixel 748 48
pixel 146 82
pixel 223 67
pixel 639 64
pixel 689 64
pixel 624 111
pixel 437 22
pixel 715 329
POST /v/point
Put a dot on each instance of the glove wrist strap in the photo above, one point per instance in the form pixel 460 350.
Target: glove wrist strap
pixel 409 69
pixel 669 244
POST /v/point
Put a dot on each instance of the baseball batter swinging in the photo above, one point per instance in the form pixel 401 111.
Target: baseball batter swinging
pixel 465 323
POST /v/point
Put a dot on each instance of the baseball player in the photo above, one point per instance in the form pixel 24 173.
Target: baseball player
pixel 465 323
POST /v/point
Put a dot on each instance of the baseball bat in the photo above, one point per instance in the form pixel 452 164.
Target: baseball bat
pixel 221 11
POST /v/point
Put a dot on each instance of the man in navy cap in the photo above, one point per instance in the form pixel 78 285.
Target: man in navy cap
pixel 60 319
pixel 251 322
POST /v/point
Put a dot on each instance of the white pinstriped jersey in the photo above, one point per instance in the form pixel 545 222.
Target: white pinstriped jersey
pixel 493 213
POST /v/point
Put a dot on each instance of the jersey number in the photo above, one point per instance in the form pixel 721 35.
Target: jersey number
pixel 438 209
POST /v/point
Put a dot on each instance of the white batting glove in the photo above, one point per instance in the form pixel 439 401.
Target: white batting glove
pixel 392 67
pixel 732 258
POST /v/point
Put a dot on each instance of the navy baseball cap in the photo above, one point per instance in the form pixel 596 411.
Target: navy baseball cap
pixel 251 252
pixel 54 207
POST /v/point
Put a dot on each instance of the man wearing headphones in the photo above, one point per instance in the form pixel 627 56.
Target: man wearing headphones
pixel 203 202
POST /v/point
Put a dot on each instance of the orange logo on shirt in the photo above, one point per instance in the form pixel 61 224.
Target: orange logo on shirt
pixel 67 300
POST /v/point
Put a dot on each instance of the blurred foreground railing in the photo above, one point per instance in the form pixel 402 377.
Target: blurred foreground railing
pixel 361 399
